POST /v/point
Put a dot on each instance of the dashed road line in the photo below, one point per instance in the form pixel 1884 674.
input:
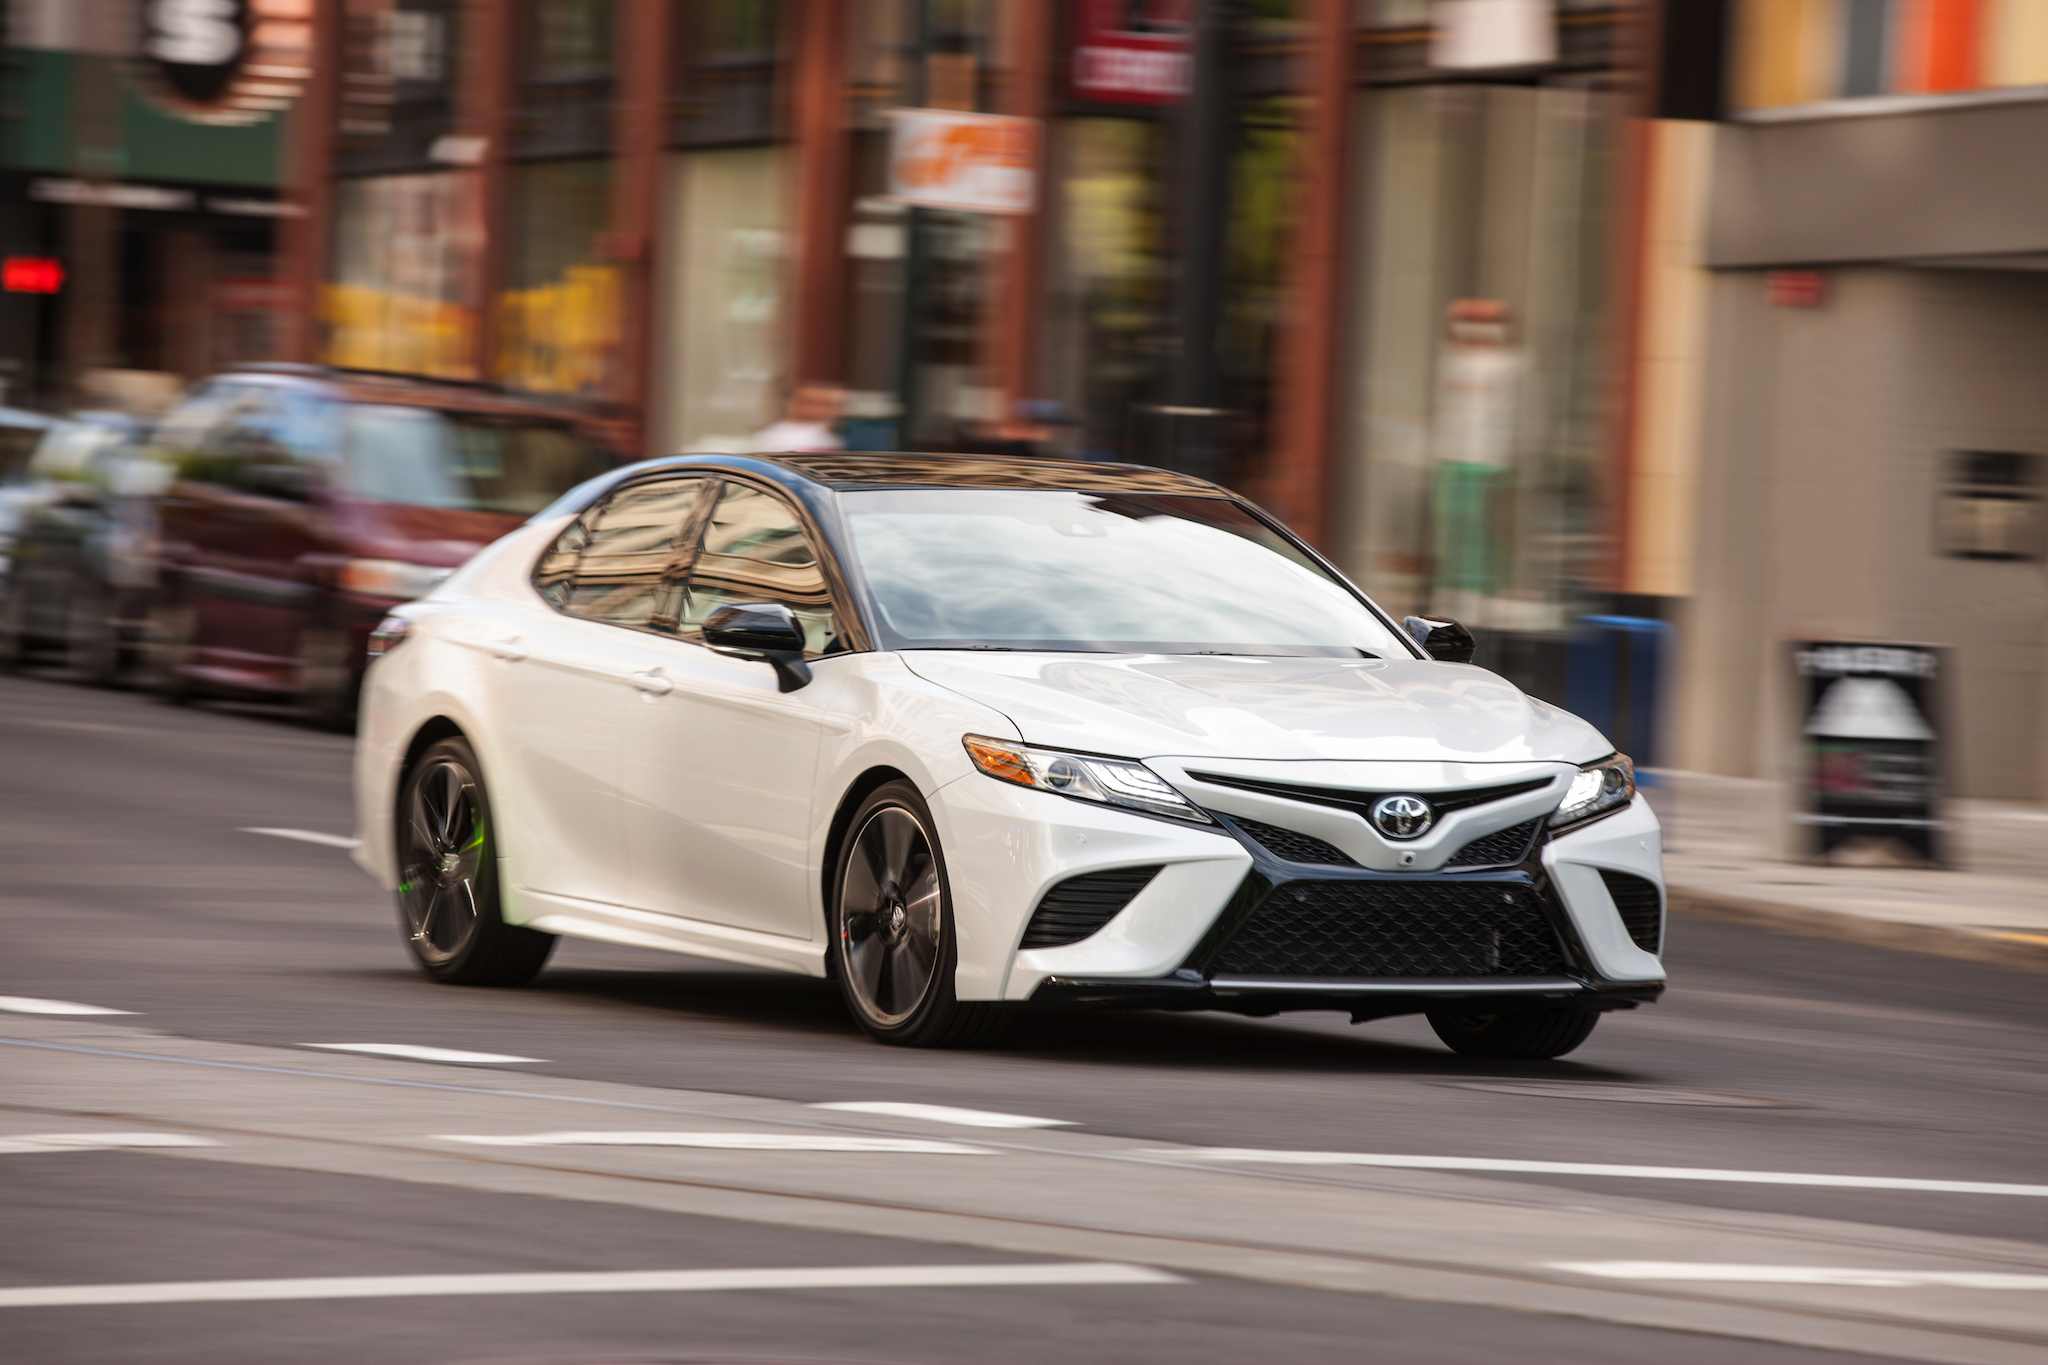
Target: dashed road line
pixel 28 1004
pixel 588 1282
pixel 1858 1277
pixel 1473 1163
pixel 306 836
pixel 943 1113
pixel 414 1052
pixel 96 1142
pixel 739 1142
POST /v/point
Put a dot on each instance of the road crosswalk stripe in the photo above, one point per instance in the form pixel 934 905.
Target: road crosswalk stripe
pixel 305 836
pixel 744 1142
pixel 1861 1277
pixel 417 1053
pixel 29 1004
pixel 943 1113
pixel 96 1142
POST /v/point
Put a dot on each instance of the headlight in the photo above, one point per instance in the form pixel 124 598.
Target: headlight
pixel 1106 781
pixel 1598 789
pixel 389 635
pixel 392 578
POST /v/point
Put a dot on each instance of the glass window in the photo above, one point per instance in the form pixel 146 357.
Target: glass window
pixel 632 561
pixel 557 567
pixel 1122 573
pixel 755 550
pixel 473 461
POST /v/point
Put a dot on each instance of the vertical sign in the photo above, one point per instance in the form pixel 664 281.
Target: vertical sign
pixel 1870 750
pixel 1132 51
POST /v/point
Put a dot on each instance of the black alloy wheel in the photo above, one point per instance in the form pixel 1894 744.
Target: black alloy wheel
pixel 1527 1035
pixel 892 948
pixel 448 878
pixel 169 632
pixel 328 685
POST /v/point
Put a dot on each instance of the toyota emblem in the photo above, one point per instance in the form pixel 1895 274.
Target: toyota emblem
pixel 1403 817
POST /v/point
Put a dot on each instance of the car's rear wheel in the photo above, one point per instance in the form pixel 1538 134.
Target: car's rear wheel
pixel 1524 1035
pixel 448 878
pixel 893 947
pixel 327 685
pixel 92 642
pixel 13 623
pixel 169 630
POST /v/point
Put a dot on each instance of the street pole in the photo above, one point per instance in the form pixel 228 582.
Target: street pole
pixel 1193 416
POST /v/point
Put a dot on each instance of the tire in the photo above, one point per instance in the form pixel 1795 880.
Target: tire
pixel 893 949
pixel 92 642
pixel 448 877
pixel 13 623
pixel 327 686
pixel 166 649
pixel 1523 1036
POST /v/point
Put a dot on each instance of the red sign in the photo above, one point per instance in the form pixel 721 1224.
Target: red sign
pixel 1132 51
pixel 32 275
pixel 1795 288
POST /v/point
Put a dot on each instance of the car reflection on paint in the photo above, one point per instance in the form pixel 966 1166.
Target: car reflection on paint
pixel 965 735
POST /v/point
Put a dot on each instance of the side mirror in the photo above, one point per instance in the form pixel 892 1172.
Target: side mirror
pixel 1442 639
pixel 761 630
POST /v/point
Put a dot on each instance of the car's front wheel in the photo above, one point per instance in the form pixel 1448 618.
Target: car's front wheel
pixel 1525 1035
pixel 448 878
pixel 892 946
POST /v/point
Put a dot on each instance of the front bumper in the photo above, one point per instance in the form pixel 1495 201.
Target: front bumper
pixel 1542 933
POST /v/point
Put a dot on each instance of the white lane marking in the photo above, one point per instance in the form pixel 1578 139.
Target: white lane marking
pixel 306 836
pixel 96 1142
pixel 1475 1163
pixel 424 1054
pixel 586 1282
pixel 740 1142
pixel 1803 1274
pixel 28 1004
pixel 944 1113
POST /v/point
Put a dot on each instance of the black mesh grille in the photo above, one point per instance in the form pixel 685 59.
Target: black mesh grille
pixel 1389 928
pixel 1292 845
pixel 1641 908
pixel 1493 850
pixel 1078 906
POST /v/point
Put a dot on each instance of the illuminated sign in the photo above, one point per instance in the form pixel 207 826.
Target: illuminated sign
pixel 32 275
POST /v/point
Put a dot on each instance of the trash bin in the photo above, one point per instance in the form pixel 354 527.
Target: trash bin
pixel 1614 679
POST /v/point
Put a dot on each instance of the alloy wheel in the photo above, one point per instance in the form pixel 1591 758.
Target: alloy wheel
pixel 890 916
pixel 443 848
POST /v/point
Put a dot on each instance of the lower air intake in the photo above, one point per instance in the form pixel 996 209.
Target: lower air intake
pixel 1642 909
pixel 1078 906
pixel 1398 929
pixel 1292 845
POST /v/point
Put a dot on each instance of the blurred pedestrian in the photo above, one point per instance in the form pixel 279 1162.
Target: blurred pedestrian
pixel 807 422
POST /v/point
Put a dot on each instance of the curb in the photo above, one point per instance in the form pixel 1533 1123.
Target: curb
pixel 1967 945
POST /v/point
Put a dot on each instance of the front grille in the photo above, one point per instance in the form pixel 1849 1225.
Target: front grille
pixel 1361 803
pixel 1641 908
pixel 1292 845
pixel 1078 906
pixel 1392 928
pixel 1499 849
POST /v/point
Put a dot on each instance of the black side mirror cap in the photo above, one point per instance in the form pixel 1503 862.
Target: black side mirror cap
pixel 1442 639
pixel 761 630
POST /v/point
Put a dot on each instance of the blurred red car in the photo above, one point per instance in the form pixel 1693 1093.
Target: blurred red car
pixel 298 504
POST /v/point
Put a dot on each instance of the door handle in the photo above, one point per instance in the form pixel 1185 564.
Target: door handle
pixel 653 684
pixel 510 650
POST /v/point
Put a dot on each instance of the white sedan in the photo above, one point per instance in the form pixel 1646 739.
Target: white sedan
pixel 962 734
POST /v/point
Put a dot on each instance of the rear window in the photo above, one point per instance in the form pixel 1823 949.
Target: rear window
pixel 471 461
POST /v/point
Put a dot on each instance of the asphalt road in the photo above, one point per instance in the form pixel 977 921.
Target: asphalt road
pixel 128 881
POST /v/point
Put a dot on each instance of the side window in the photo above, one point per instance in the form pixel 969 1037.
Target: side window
pixel 558 566
pixel 632 558
pixel 755 550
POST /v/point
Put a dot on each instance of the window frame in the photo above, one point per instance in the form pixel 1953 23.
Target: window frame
pixel 847 608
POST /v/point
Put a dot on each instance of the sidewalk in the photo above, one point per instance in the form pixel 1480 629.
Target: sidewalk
pixel 1724 858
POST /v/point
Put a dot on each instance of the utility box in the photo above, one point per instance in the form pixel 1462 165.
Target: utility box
pixel 1614 679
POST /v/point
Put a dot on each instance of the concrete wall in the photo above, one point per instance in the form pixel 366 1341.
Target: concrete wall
pixel 1823 451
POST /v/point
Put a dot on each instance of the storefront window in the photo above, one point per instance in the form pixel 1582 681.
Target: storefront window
pixel 557 326
pixel 405 251
pixel 1478 418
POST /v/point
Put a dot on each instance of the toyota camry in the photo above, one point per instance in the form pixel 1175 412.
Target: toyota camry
pixel 965 735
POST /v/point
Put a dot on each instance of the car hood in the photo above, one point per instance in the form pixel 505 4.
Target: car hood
pixel 1154 705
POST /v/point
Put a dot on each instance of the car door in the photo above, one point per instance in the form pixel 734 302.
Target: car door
pixel 562 684
pixel 719 765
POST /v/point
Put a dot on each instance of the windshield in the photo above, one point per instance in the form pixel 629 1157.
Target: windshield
pixel 1111 573
pixel 466 460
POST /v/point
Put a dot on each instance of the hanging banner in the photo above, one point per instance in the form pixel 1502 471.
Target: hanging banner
pixel 1131 51
pixel 1870 769
pixel 945 159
